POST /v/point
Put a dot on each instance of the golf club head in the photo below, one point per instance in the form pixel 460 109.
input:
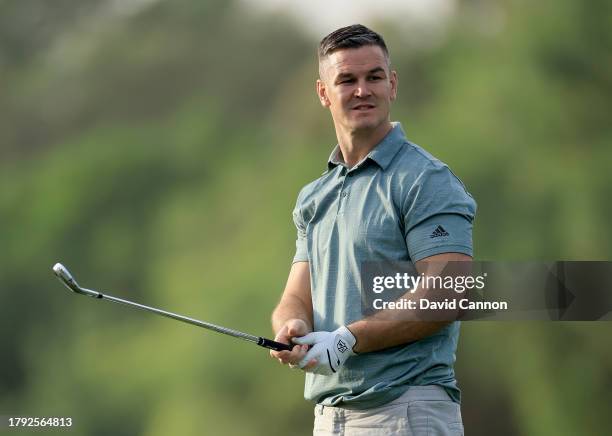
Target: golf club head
pixel 66 278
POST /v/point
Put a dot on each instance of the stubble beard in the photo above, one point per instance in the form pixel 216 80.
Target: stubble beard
pixel 370 125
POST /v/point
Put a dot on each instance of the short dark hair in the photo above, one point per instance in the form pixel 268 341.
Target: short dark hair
pixel 353 36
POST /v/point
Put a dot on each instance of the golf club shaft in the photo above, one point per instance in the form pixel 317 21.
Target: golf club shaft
pixel 182 318
pixel 266 343
pixel 67 279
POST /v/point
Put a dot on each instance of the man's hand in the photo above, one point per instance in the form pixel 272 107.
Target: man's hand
pixel 329 350
pixel 291 329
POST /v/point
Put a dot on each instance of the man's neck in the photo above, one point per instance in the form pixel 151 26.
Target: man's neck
pixel 356 145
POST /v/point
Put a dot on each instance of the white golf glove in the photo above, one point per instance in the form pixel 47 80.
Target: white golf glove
pixel 330 349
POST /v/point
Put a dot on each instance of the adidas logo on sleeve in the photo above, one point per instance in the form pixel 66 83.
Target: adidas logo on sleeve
pixel 440 231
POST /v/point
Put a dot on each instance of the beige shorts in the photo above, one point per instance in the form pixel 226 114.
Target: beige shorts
pixel 420 411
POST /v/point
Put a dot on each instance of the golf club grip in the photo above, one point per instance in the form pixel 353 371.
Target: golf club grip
pixel 273 345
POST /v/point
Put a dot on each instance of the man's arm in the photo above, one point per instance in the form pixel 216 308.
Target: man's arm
pixel 293 314
pixel 384 329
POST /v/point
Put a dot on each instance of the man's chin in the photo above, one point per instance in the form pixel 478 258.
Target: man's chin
pixel 364 125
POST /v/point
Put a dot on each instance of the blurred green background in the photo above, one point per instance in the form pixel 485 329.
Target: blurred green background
pixel 157 148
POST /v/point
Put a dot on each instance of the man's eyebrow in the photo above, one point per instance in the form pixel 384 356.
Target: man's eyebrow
pixel 377 70
pixel 341 76
pixel 344 76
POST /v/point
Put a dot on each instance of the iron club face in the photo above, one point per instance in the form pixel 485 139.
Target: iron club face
pixel 66 278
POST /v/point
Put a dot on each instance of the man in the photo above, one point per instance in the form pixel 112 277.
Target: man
pixel 382 199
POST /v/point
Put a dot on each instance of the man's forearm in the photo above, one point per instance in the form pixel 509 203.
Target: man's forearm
pixel 390 327
pixel 373 335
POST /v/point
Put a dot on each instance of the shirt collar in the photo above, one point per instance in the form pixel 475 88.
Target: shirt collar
pixel 383 153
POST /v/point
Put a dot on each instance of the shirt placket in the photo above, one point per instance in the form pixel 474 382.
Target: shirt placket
pixel 343 193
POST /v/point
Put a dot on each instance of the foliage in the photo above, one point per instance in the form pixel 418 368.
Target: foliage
pixel 158 150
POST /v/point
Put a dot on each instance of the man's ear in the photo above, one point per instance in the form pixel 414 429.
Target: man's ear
pixel 393 79
pixel 322 93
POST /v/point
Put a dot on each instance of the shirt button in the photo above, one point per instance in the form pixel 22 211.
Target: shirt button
pixel 344 194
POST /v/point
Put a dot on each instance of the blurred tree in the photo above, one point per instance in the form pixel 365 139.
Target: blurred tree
pixel 157 149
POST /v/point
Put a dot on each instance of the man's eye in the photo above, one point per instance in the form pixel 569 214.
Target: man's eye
pixel 375 78
pixel 345 81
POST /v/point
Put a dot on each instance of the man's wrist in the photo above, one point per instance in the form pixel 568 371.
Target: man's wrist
pixel 354 329
pixel 349 337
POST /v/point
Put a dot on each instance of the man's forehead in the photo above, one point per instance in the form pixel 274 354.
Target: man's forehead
pixel 364 58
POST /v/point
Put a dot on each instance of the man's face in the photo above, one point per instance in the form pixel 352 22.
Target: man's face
pixel 358 87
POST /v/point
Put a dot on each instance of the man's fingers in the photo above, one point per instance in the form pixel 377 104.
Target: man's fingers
pixel 294 331
pixel 309 339
pixel 283 337
pixel 296 327
pixel 287 335
pixel 308 357
pixel 280 355
pixel 293 356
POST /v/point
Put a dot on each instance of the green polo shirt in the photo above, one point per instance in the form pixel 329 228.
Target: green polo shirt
pixel 385 208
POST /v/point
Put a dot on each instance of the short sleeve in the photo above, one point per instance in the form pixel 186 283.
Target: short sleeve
pixel 438 215
pixel 301 248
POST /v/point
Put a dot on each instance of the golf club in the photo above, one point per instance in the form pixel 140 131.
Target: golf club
pixel 66 278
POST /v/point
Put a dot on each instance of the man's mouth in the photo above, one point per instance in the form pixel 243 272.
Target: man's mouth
pixel 364 107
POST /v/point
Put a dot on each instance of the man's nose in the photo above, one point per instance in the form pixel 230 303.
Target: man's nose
pixel 362 89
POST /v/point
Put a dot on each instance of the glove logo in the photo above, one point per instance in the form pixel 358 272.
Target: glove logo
pixel 341 346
